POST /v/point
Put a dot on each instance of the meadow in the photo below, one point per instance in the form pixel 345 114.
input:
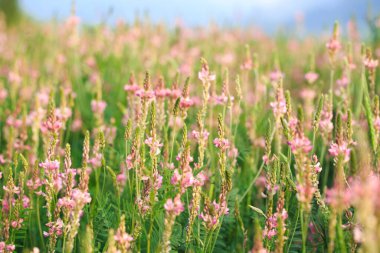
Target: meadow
pixel 145 138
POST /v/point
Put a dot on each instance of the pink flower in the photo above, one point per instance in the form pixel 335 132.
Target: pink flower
pixel 205 76
pixel 370 63
pixel 52 166
pixel 222 144
pixel 311 77
pixel 186 102
pixel 200 135
pixel 154 145
pixel 377 123
pixel 343 81
pixel 133 88
pixel 55 228
pixel 175 206
pixel 333 45
pixel 98 106
pixel 145 94
pixel 175 178
pixel 341 149
pixel 279 107
pixel 276 75
pixel 123 239
pixel 300 144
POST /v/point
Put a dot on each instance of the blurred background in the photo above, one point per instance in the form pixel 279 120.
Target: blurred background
pixel 270 15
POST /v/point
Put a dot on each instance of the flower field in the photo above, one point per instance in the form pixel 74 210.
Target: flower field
pixel 145 138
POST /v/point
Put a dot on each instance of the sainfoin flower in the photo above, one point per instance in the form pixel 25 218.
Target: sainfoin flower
pixel 300 144
pixel 370 63
pixel 98 106
pixel 340 149
pixel 311 77
pixel 52 166
pixel 174 206
pixel 221 143
pixel 154 145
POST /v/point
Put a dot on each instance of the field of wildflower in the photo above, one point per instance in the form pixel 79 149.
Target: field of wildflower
pixel 144 138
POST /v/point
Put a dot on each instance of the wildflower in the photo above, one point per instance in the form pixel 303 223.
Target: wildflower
pixel 204 75
pixel 221 143
pixel 154 145
pixel 175 178
pixel 174 206
pixel 52 166
pixel 300 143
pixel 276 75
pixel 98 106
pixel 311 77
pixel 186 102
pixel 371 64
pixel 340 149
pixel 55 228
pixel 123 239
pixel 200 135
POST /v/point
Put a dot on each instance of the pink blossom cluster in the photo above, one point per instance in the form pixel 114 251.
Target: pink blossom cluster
pixel 340 149
pixel 222 143
pixel 272 222
pixel 174 206
pixel 211 214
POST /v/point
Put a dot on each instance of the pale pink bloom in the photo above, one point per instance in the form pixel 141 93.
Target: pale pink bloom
pixel 91 62
pixel 222 99
pixel 25 202
pixel 162 93
pixel 337 198
pixel 154 145
pixel 145 94
pixel 377 123
pixel 279 107
pixel 72 22
pixel 316 164
pixel 76 125
pixel 200 135
pixel 343 81
pixel 370 63
pixel 222 144
pixel 187 180
pixel 55 228
pixel 266 159
pixel 200 179
pixel 52 166
pixel 300 143
pixel 276 75
pixel 311 77
pixel 205 76
pixel 186 102
pixel 341 149
pixel 333 45
pixel 305 193
pixel 63 113
pixel 307 94
pixel 17 223
pixel 175 206
pixel 123 239
pixel 132 88
pixel 14 78
pixel 98 106
pixel 176 178
pixel 247 64
pixel 233 153
pixel 176 93
pixel 3 94
pixel 5 248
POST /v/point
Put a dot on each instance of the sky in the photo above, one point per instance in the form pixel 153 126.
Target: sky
pixel 270 15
